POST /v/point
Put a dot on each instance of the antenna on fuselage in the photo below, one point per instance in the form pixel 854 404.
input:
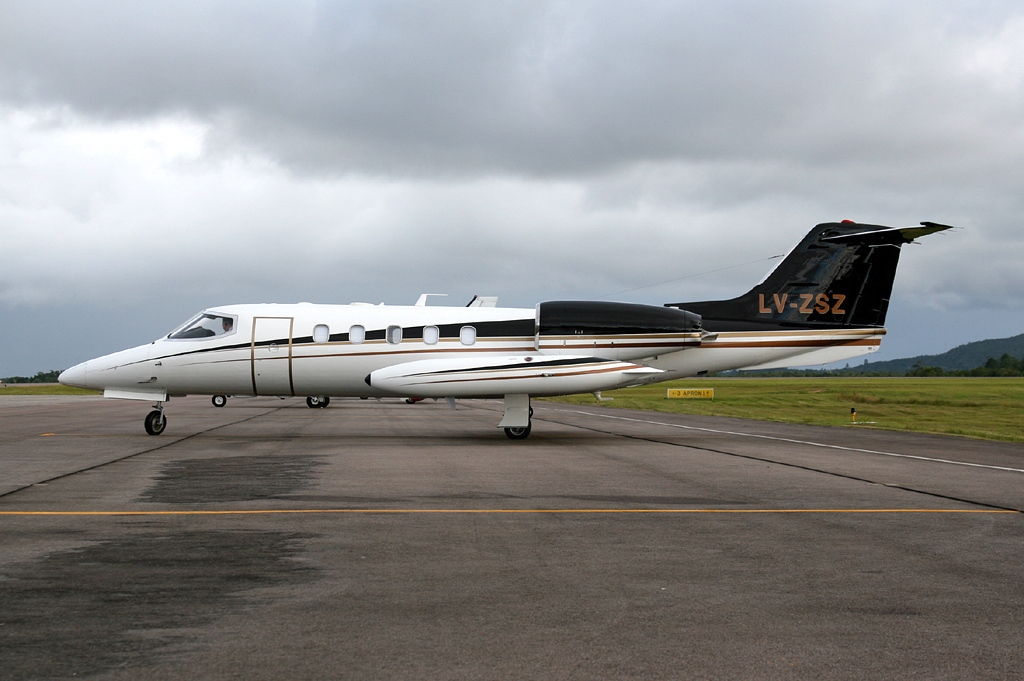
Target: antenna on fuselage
pixel 483 301
pixel 422 301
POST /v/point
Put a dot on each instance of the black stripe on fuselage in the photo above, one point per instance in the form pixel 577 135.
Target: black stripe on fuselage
pixel 498 329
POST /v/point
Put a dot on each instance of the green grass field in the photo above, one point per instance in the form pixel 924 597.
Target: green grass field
pixel 42 389
pixel 988 408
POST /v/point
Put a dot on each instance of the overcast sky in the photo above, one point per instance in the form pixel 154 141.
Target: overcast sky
pixel 156 159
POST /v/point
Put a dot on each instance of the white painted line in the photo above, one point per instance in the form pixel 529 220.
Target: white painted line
pixel 799 442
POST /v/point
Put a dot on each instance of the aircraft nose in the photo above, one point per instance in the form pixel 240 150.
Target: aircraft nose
pixel 75 376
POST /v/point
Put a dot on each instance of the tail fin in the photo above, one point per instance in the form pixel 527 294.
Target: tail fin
pixel 839 275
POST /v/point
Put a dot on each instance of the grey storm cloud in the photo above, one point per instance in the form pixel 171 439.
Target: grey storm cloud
pixel 531 88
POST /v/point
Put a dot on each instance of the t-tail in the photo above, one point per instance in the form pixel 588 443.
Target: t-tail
pixel 839 276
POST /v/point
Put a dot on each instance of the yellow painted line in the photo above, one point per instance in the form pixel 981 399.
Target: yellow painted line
pixel 453 511
pixel 118 435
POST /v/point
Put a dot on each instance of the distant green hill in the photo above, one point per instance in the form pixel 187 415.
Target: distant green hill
pixel 960 358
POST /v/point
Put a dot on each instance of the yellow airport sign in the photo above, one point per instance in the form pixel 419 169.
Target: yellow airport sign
pixel 691 393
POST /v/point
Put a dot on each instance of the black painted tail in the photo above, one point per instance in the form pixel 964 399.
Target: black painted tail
pixel 839 275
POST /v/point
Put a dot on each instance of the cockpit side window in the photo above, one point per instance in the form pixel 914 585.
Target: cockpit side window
pixel 206 325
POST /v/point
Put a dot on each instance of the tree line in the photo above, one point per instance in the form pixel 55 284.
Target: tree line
pixel 41 377
pixel 1007 365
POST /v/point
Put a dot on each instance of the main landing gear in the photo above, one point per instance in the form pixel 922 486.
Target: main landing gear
pixel 519 433
pixel 517 421
pixel 318 402
pixel 155 420
pixel 219 400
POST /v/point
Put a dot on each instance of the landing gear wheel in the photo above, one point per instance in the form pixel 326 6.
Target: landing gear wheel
pixel 219 400
pixel 318 402
pixel 155 422
pixel 519 433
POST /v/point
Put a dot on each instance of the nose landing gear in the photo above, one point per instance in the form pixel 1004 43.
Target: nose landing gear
pixel 155 420
pixel 318 402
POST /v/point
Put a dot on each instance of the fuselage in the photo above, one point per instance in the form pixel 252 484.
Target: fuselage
pixel 311 349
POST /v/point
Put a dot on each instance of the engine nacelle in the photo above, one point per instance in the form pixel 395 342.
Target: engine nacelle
pixel 506 375
pixel 614 330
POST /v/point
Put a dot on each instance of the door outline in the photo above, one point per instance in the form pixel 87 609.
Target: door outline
pixel 252 352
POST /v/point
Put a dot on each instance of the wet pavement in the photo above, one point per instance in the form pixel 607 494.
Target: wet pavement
pixel 386 540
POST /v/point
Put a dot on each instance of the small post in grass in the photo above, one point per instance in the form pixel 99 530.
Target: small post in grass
pixel 853 414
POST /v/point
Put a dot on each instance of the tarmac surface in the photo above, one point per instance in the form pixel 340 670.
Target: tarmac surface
pixel 379 540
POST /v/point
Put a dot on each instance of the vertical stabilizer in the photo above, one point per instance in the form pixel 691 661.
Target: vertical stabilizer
pixel 839 275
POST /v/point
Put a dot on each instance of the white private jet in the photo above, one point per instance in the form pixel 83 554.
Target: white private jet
pixel 825 302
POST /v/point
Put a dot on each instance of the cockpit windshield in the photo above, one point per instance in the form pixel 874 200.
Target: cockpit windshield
pixel 205 325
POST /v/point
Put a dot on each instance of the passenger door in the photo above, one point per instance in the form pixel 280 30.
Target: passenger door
pixel 272 356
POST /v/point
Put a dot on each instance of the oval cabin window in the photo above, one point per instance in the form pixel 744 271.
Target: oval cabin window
pixel 468 335
pixel 321 333
pixel 431 335
pixel 394 335
pixel 357 334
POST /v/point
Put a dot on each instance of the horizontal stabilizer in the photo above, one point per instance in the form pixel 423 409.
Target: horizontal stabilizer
pixel 891 235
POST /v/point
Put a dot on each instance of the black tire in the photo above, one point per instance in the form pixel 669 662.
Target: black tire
pixel 219 400
pixel 519 433
pixel 155 422
pixel 313 402
pixel 324 401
